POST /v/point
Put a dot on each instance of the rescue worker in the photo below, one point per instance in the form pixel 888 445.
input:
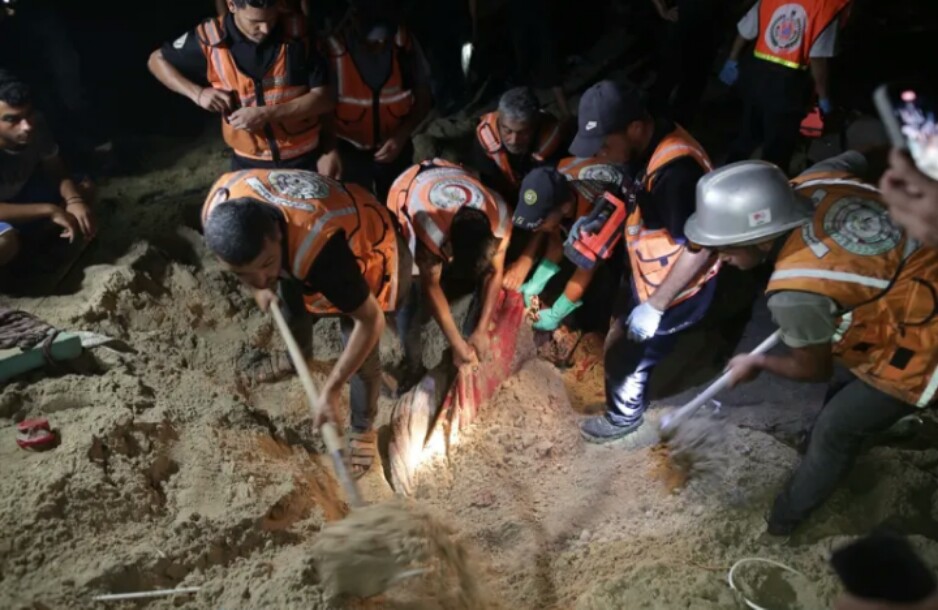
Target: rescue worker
pixel 258 68
pixel 912 197
pixel 382 82
pixel 672 285
pixel 847 285
pixel 459 228
pixel 549 206
pixel 315 247
pixel 515 139
pixel 791 40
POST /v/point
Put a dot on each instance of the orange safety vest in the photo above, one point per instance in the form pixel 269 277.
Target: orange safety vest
pixel 652 252
pixel 427 196
pixel 789 28
pixel 549 139
pixel 884 283
pixel 590 168
pixel 314 209
pixel 585 194
pixel 364 117
pixel 276 141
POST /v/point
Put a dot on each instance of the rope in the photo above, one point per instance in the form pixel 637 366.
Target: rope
pixel 19 329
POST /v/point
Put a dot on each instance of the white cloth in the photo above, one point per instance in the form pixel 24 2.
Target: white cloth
pixel 824 46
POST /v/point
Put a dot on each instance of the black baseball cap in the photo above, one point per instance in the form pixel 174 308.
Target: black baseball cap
pixel 605 108
pixel 542 190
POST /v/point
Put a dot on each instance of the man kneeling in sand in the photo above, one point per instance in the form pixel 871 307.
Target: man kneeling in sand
pixel 315 247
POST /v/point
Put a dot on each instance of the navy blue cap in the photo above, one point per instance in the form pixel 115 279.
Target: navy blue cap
pixel 542 190
pixel 605 108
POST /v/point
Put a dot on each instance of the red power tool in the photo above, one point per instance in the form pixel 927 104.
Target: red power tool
pixel 594 236
pixel 35 434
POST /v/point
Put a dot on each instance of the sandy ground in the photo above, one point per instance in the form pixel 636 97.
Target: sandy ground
pixel 172 474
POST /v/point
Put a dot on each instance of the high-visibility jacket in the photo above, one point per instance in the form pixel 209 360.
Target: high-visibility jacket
pixel 590 168
pixel 314 209
pixel 427 196
pixel 789 28
pixel 364 117
pixel 884 283
pixel 585 194
pixel 548 139
pixel 277 140
pixel 652 252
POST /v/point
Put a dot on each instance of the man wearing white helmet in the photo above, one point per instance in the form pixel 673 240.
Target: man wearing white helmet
pixel 847 285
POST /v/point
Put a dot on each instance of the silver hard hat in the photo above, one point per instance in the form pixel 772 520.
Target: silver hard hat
pixel 745 203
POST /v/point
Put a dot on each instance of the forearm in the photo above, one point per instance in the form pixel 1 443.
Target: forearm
pixel 362 340
pixel 317 102
pixel 578 283
pixel 796 366
pixel 820 71
pixel 171 78
pixel 24 212
pixel 554 249
pixel 56 170
pixel 493 286
pixel 738 45
pixel 531 250
pixel 439 309
pixel 686 268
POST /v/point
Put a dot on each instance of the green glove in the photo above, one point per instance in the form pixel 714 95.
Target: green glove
pixel 550 319
pixel 534 286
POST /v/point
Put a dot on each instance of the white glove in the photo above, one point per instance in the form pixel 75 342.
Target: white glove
pixel 643 322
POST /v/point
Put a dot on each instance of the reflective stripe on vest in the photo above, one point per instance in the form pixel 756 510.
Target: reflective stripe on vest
pixel 548 140
pixel 789 28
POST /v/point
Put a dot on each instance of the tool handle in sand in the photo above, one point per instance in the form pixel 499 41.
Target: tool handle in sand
pixel 669 422
pixel 328 430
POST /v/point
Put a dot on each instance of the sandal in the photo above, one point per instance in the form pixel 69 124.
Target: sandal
pixel 363 447
pixel 257 366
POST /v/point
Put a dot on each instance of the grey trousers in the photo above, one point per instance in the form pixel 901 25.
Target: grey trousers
pixel 851 414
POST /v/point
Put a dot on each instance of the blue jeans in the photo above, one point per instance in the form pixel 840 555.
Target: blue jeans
pixel 38 189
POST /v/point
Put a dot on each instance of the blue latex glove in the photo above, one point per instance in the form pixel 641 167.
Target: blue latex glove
pixel 729 74
pixel 550 319
pixel 643 322
pixel 825 105
pixel 534 286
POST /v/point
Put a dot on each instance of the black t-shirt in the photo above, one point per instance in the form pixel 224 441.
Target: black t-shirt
pixel 253 59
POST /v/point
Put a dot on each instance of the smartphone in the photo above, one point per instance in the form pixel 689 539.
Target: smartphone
pixel 909 115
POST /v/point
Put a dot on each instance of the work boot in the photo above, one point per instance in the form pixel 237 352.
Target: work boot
pixel 602 428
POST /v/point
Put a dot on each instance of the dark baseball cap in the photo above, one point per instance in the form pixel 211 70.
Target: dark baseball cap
pixel 542 190
pixel 605 108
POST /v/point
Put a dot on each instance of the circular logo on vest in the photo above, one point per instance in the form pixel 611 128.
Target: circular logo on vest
pixel 786 28
pixel 530 196
pixel 455 193
pixel 300 184
pixel 601 173
pixel 861 226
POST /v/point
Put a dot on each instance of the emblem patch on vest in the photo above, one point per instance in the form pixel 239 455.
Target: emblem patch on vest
pixel 786 28
pixel 861 226
pixel 300 184
pixel 601 173
pixel 455 193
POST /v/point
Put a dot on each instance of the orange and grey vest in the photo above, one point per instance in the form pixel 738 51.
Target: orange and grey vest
pixel 789 28
pixel 427 196
pixel 314 209
pixel 364 117
pixel 549 138
pixel 653 252
pixel 884 283
pixel 591 168
pixel 278 140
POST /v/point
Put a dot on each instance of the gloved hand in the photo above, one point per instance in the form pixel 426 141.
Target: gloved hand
pixel 825 105
pixel 730 72
pixel 643 322
pixel 534 286
pixel 550 319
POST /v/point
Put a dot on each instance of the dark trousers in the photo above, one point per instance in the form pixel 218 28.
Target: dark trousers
pixel 628 367
pixel 850 416
pixel 360 167
pixel 777 130
pixel 365 384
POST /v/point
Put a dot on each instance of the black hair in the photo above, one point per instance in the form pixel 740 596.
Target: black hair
pixel 13 90
pixel 473 244
pixel 255 3
pixel 235 230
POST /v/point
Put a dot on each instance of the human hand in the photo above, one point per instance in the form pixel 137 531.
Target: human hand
pixel 265 298
pixel 729 74
pixel 479 340
pixel 643 322
pixel 330 165
pixel 669 14
pixel 515 274
pixel 912 198
pixel 463 353
pixel 743 368
pixel 252 118
pixel 326 407
pixel 64 219
pixel 82 213
pixel 390 150
pixel 215 100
